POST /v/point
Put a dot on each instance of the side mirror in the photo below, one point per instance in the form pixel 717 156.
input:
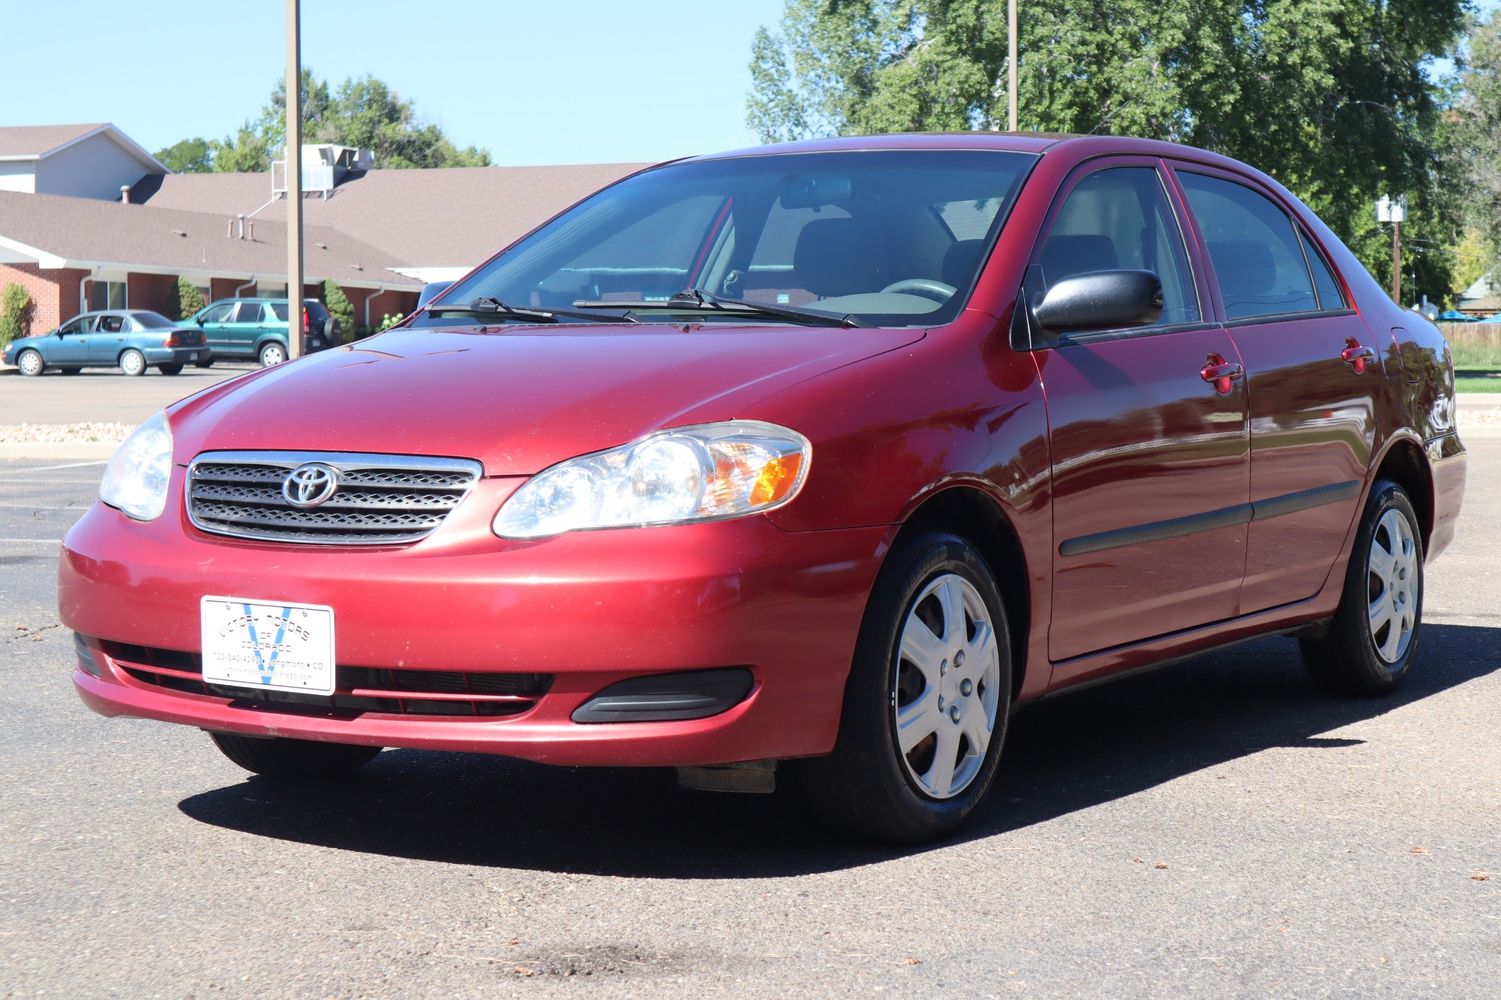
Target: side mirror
pixel 1100 300
pixel 198 320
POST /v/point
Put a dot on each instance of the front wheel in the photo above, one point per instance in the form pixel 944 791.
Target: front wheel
pixel 169 369
pixel 272 354
pixel 283 758
pixel 1371 642
pixel 927 700
pixel 31 363
pixel 132 362
pixel 204 364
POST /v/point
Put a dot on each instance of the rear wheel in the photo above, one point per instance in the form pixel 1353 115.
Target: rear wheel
pixel 283 758
pixel 31 363
pixel 927 700
pixel 1371 641
pixel 169 369
pixel 272 354
pixel 71 371
pixel 204 364
pixel 132 362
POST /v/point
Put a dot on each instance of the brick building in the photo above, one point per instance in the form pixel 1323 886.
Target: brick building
pixel 89 220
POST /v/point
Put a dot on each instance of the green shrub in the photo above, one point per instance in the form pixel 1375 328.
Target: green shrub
pixel 339 307
pixel 389 320
pixel 183 300
pixel 15 313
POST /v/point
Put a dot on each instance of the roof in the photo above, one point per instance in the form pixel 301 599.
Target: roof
pixel 440 217
pixel 72 232
pixel 35 142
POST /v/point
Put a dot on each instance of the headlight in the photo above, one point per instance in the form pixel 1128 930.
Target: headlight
pixel 703 473
pixel 135 481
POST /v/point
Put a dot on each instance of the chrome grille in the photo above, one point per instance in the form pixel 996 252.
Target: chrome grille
pixel 379 500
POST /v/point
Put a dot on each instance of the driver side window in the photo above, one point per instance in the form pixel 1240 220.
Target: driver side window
pixel 1120 218
pixel 73 326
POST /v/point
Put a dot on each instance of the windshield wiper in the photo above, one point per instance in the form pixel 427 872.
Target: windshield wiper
pixel 698 299
pixel 488 305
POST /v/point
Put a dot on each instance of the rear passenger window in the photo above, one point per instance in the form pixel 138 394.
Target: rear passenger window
pixel 1257 260
pixel 1119 218
pixel 1330 297
pixel 250 312
pixel 279 310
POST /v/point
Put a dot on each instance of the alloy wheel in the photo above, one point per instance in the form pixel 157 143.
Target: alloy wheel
pixel 1391 582
pixel 946 689
pixel 30 363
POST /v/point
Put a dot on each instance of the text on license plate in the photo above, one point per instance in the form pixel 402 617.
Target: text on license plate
pixel 274 646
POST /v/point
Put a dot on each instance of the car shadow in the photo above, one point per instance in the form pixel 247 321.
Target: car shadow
pixel 1061 756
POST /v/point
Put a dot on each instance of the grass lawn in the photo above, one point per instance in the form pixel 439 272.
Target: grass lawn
pixel 1477 380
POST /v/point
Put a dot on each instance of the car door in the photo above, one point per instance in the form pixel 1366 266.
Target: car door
pixel 70 344
pixel 214 322
pixel 1147 428
pixel 108 339
pixel 1313 373
pixel 244 328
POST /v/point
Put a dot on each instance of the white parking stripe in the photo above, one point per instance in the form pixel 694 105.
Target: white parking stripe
pixel 49 468
pixel 31 541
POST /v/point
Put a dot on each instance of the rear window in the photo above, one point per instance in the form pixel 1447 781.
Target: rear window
pixel 1257 259
pixel 152 321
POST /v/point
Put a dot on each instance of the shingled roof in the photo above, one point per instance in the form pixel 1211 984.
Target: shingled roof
pixel 83 232
pixel 447 217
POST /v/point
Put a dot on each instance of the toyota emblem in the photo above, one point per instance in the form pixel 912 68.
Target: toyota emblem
pixel 310 484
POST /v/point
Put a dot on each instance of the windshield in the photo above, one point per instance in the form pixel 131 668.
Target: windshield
pixel 152 321
pixel 889 237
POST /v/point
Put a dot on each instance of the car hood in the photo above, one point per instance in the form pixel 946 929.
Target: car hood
pixel 517 398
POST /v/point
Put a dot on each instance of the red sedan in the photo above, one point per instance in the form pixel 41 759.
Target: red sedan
pixel 809 462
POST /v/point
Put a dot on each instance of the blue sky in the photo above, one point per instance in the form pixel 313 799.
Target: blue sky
pixel 566 81
pixel 556 81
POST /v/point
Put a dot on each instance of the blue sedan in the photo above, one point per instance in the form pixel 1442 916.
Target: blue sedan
pixel 130 339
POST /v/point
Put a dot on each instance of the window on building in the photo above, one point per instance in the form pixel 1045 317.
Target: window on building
pixel 106 295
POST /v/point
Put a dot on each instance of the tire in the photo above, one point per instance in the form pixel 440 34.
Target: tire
pixel 283 758
pixel 169 369
pixel 71 371
pixel 1373 637
pixel 204 364
pixel 868 786
pixel 132 362
pixel 30 362
pixel 272 354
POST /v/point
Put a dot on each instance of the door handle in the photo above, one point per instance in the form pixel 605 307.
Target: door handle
pixel 1221 373
pixel 1356 356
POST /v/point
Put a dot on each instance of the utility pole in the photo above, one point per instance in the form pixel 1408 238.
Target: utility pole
pixel 1011 65
pixel 1394 210
pixel 1397 260
pixel 294 179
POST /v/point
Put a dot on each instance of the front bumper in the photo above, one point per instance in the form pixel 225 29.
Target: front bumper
pixel 591 609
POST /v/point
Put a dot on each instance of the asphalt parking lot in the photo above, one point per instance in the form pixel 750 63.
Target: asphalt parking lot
pixel 1214 828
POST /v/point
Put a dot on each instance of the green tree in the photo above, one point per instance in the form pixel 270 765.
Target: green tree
pixel 362 112
pixel 340 308
pixel 15 313
pixel 183 300
pixel 1332 97
pixel 190 156
pixel 1479 130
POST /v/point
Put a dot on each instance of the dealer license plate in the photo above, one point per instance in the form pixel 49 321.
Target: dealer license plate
pixel 271 646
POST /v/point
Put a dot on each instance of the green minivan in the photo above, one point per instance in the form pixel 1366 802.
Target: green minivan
pixel 257 328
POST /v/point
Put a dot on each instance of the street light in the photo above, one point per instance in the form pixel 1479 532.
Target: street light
pixel 1394 210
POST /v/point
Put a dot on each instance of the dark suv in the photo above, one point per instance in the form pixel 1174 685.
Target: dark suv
pixel 257 328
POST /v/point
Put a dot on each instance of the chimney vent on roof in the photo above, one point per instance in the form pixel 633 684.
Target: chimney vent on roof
pixel 240 226
pixel 125 194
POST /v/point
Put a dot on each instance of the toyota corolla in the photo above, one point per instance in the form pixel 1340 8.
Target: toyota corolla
pixel 805 464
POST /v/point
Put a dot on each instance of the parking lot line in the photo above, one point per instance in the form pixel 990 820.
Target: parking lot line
pixel 31 541
pixel 50 468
